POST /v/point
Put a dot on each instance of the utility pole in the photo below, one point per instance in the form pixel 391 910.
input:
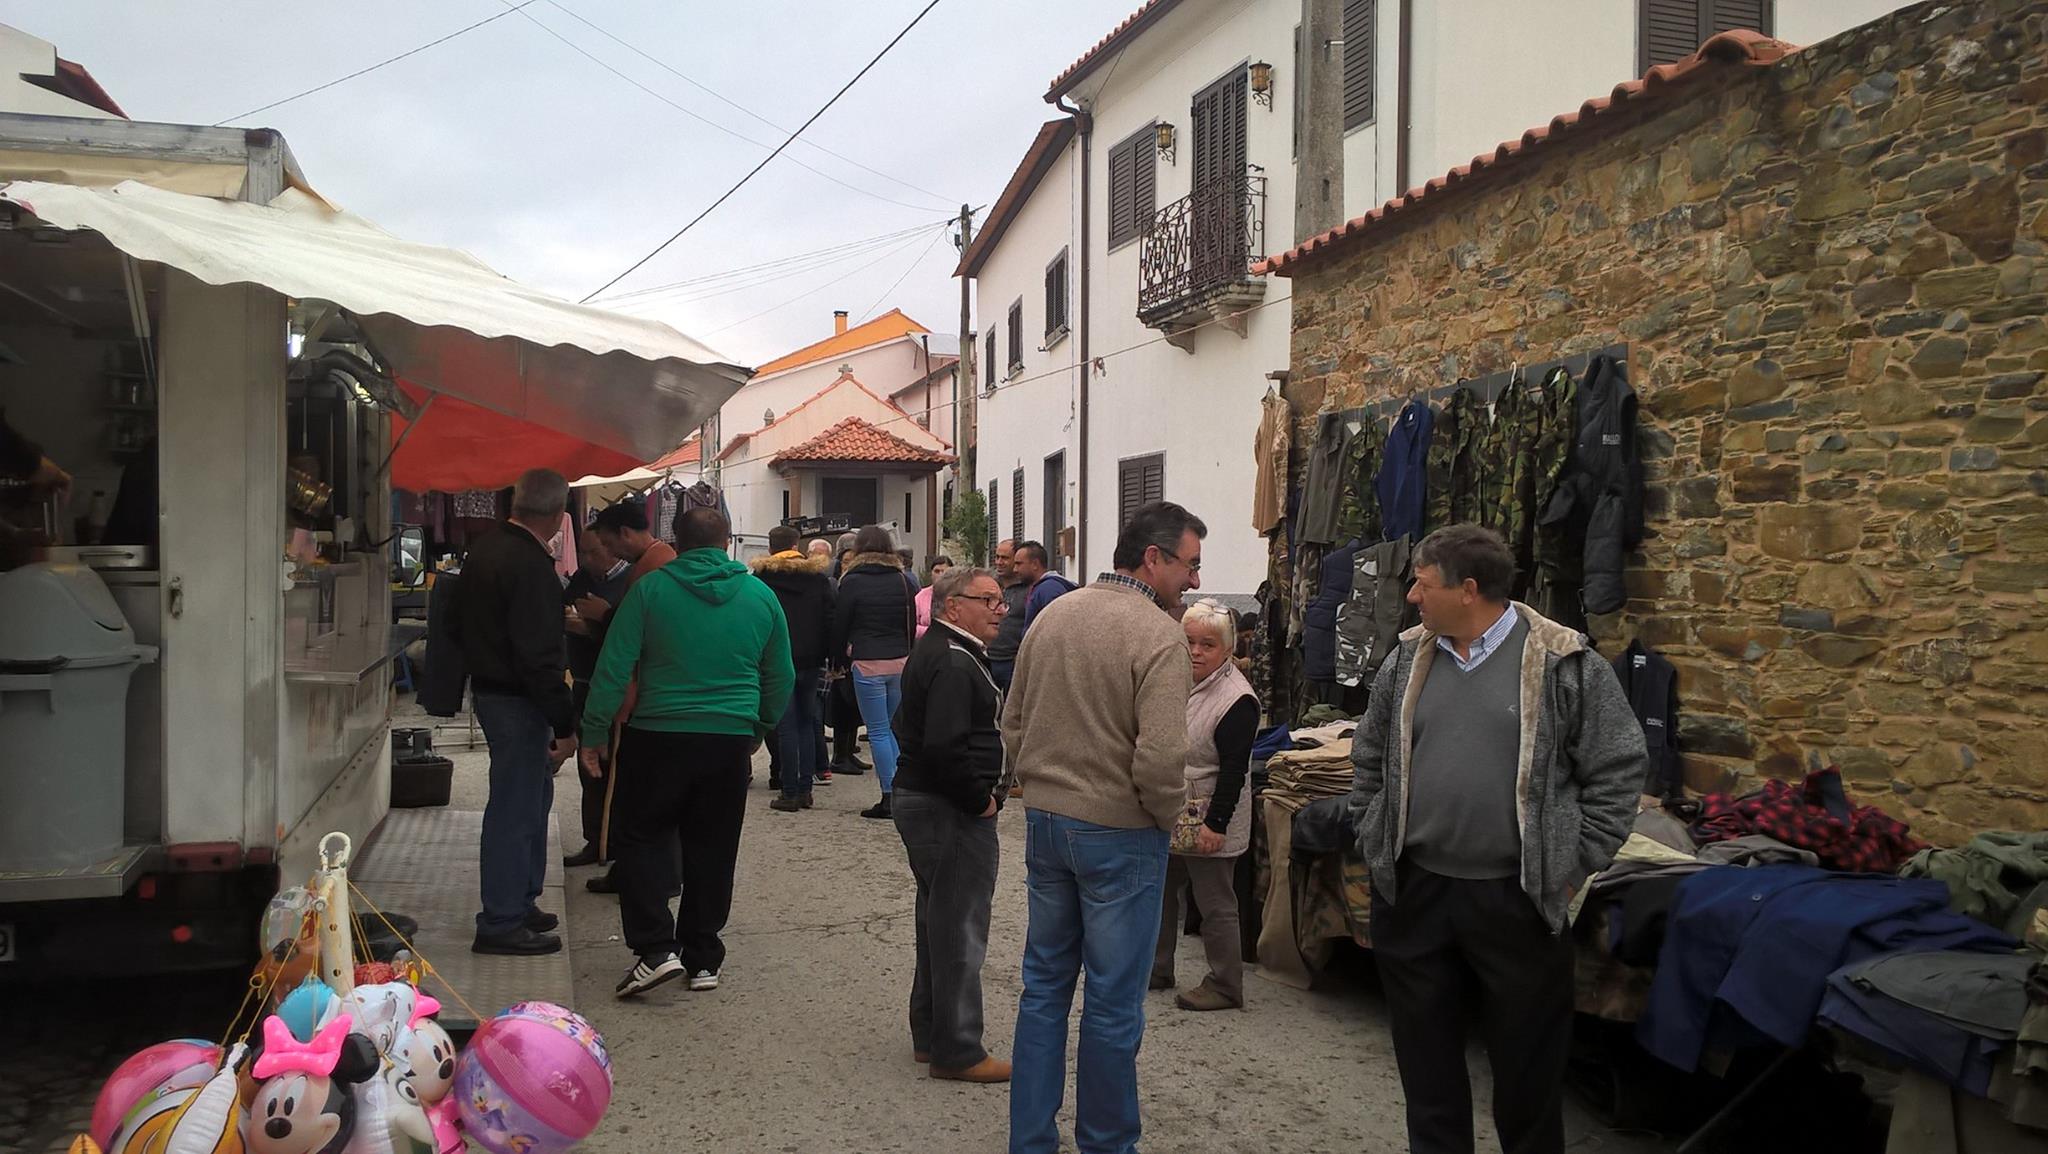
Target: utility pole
pixel 964 376
pixel 1319 93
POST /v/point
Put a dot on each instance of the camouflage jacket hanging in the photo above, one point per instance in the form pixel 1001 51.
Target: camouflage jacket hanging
pixel 1358 510
pixel 1506 500
pixel 1454 461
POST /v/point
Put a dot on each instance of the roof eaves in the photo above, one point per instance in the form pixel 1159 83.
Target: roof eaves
pixel 1751 49
pixel 822 350
pixel 1052 137
pixel 1136 23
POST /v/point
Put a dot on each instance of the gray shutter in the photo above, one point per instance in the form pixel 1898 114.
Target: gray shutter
pixel 1669 31
pixel 1017 335
pixel 1144 177
pixel 1130 490
pixel 1155 479
pixel 1055 500
pixel 1359 48
pixel 990 372
pixel 1017 504
pixel 1121 215
pixel 994 530
pixel 1731 15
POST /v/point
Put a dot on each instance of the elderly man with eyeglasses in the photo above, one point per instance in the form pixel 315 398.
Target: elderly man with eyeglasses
pixel 949 786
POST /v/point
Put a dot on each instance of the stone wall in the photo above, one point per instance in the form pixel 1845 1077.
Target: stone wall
pixel 1830 273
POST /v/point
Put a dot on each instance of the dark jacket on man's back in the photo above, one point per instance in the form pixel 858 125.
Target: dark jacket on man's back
pixel 1010 634
pixel 947 727
pixel 874 619
pixel 509 623
pixel 805 592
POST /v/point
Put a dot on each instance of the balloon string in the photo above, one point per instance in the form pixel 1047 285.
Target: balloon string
pixel 426 966
pixel 261 990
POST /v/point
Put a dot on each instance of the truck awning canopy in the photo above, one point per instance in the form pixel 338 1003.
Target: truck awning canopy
pixel 439 318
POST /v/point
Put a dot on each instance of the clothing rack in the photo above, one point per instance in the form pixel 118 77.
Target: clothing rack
pixel 1488 388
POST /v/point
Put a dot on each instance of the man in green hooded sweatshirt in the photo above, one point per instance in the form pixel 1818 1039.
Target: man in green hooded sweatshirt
pixel 711 650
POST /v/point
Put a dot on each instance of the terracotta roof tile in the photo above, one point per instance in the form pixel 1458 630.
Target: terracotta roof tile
pixel 738 439
pixel 1122 34
pixel 1746 48
pixel 888 326
pixel 856 440
pixel 689 453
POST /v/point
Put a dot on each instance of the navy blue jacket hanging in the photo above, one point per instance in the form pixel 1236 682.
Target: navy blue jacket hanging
pixel 1403 481
pixel 1319 619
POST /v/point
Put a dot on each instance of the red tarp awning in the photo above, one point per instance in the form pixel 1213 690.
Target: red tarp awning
pixel 461 446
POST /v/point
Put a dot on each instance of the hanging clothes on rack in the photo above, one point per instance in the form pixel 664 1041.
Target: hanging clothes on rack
pixel 1322 480
pixel 1599 501
pixel 1652 687
pixel 1370 621
pixel 1403 479
pixel 1507 489
pixel 1270 446
pixel 1555 591
pixel 1358 510
pixel 1319 636
pixel 1453 459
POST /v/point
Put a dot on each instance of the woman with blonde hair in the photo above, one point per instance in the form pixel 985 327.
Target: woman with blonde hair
pixel 1216 826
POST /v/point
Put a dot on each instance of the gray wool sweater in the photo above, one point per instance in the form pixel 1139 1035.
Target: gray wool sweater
pixel 1579 771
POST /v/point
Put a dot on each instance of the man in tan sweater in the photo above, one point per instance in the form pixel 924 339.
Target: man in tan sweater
pixel 1096 726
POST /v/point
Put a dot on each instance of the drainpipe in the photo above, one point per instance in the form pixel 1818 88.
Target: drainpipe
pixel 1403 67
pixel 1086 124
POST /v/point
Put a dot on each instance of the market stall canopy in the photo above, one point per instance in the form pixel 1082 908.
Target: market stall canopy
pixel 437 317
pixel 455 446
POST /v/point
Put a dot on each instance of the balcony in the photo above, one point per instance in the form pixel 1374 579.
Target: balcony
pixel 1195 259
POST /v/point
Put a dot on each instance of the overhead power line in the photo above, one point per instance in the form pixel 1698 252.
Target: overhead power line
pixel 594 59
pixel 898 282
pixel 899 248
pixel 376 66
pixel 751 173
pixel 743 280
pixel 723 99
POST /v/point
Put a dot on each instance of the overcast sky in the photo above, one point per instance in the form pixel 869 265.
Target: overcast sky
pixel 506 143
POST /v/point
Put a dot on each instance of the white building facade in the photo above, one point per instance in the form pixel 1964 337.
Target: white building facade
pixel 1125 240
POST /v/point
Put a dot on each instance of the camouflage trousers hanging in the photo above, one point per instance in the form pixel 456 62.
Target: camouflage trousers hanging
pixel 1370 621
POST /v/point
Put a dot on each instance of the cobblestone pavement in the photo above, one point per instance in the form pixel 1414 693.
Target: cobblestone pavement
pixel 59 1042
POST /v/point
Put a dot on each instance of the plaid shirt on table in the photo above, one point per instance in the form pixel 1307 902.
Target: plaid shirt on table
pixel 1814 815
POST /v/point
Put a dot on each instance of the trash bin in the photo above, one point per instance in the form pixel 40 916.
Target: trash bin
pixel 66 655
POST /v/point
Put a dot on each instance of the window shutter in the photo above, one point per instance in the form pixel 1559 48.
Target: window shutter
pixel 1669 31
pixel 1731 15
pixel 1056 294
pixel 1055 500
pixel 990 371
pixel 994 530
pixel 1017 504
pixel 1120 178
pixel 1144 174
pixel 1017 335
pixel 1360 43
pixel 1140 481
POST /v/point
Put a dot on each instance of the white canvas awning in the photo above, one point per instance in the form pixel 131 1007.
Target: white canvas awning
pixel 438 318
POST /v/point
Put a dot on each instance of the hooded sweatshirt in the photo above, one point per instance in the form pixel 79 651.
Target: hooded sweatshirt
pixel 711 648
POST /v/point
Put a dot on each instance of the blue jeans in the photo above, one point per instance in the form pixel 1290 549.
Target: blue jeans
pixel 513 857
pixel 1095 895
pixel 878 698
pixel 798 735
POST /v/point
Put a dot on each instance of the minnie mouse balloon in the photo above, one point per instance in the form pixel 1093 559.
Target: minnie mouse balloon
pixel 534 1080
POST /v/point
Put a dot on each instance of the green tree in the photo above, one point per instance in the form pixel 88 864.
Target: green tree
pixel 969 525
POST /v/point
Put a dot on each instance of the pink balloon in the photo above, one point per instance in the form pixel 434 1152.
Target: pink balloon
pixel 535 1078
pixel 180 1065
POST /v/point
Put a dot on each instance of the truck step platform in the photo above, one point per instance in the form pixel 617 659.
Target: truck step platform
pixel 110 877
pixel 423 863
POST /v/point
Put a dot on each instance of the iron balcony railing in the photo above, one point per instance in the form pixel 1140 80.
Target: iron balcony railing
pixel 1204 241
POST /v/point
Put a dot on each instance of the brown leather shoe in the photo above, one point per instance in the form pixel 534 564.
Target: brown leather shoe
pixel 1207 997
pixel 987 1070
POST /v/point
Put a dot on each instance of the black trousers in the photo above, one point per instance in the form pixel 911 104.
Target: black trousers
pixel 844 713
pixel 593 788
pixel 687 786
pixel 1454 950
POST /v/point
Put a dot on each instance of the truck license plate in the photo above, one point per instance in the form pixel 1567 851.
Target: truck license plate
pixel 6 942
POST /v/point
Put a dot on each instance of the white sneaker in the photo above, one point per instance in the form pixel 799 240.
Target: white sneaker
pixel 704 980
pixel 647 973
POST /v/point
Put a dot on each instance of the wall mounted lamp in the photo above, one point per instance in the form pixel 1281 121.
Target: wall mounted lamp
pixel 1164 132
pixel 1262 83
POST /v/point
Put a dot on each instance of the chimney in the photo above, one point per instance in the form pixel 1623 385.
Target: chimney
pixel 838 322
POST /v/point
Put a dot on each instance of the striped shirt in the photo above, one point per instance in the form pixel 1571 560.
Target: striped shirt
pixel 1488 641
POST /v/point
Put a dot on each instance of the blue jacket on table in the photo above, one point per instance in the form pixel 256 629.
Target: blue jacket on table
pixel 1748 951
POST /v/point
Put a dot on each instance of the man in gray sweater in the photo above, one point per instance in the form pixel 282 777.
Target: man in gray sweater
pixel 1498 765
pixel 1096 727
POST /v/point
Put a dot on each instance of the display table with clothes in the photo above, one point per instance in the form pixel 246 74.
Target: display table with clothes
pixel 1300 907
